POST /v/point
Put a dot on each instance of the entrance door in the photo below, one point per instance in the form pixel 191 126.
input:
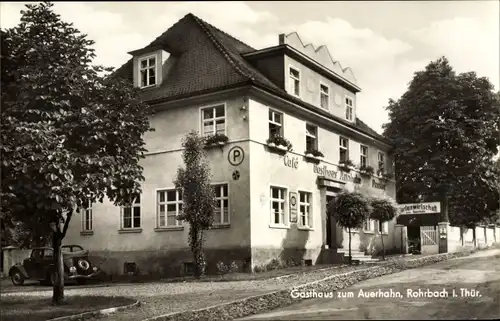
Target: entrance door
pixel 429 240
pixel 330 237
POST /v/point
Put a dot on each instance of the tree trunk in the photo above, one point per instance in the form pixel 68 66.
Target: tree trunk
pixel 58 286
pixel 382 239
pixel 198 255
pixel 350 257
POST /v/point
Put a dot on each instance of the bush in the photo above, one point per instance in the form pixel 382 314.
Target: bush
pixel 233 268
pixel 222 268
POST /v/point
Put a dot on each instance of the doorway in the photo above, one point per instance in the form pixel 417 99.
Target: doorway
pixel 330 236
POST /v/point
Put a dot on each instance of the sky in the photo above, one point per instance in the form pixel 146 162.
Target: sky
pixel 383 43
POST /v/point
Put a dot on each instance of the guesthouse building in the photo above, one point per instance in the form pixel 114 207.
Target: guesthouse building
pixel 272 193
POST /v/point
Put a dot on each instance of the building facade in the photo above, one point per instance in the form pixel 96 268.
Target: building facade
pixel 272 202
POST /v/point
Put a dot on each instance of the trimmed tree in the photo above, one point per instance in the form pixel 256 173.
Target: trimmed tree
pixel 71 135
pixel 445 130
pixel 383 210
pixel 198 196
pixel 350 210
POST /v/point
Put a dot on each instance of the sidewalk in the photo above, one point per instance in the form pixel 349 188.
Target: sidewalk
pixel 161 298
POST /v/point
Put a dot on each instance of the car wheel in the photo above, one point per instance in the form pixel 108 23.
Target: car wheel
pixel 17 278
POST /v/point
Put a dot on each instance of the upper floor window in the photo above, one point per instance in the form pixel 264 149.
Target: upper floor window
pixel 131 215
pixel 87 218
pixel 311 137
pixel 305 214
pixel 221 215
pixel 381 161
pixel 278 206
pixel 213 120
pixel 344 149
pixel 294 81
pixel 349 108
pixel 169 204
pixel 275 123
pixel 147 71
pixel 363 158
pixel 324 95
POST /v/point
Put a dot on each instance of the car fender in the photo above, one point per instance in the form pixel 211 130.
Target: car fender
pixel 19 268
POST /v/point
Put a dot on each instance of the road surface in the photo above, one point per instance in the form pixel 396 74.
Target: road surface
pixel 475 280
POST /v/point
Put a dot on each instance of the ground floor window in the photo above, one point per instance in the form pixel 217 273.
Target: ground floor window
pixel 169 208
pixel 221 214
pixel 87 218
pixel 278 206
pixel 370 225
pixel 131 215
pixel 305 214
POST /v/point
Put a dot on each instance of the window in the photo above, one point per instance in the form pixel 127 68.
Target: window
pixel 275 123
pixel 348 108
pixel 370 225
pixel 363 159
pixel 48 253
pixel 344 149
pixel 305 215
pixel 324 95
pixel 381 161
pixel 213 120
pixel 278 206
pixel 311 137
pixel 294 81
pixel 385 227
pixel 87 218
pixel 131 215
pixel 147 70
pixel 221 215
pixel 169 208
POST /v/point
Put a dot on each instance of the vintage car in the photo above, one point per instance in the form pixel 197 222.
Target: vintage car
pixel 40 266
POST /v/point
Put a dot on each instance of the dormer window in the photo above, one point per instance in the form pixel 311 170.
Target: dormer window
pixel 324 95
pixel 147 71
pixel 349 108
pixel 294 81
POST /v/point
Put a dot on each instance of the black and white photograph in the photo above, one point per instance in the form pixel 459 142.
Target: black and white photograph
pixel 250 160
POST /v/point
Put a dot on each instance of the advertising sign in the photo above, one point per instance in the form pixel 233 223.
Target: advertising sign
pixel 419 208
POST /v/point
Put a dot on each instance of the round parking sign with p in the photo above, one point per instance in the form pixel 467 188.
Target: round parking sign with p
pixel 236 155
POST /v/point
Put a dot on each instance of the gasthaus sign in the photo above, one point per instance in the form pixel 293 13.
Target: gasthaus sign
pixel 419 208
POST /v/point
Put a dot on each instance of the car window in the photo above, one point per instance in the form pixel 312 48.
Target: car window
pixel 36 254
pixel 77 248
pixel 48 253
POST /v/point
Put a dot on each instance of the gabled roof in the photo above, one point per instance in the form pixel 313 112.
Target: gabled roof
pixel 210 59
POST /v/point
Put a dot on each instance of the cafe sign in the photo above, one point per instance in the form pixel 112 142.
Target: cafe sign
pixel 419 208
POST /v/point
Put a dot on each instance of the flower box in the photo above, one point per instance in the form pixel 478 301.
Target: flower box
pixel 346 166
pixel 366 171
pixel 216 140
pixel 314 155
pixel 279 144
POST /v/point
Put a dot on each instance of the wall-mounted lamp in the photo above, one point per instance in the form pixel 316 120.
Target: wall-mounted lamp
pixel 243 108
pixel 244 117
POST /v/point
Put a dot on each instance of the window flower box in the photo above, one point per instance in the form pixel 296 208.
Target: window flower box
pixel 366 171
pixel 216 140
pixel 346 166
pixel 387 176
pixel 314 155
pixel 279 144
